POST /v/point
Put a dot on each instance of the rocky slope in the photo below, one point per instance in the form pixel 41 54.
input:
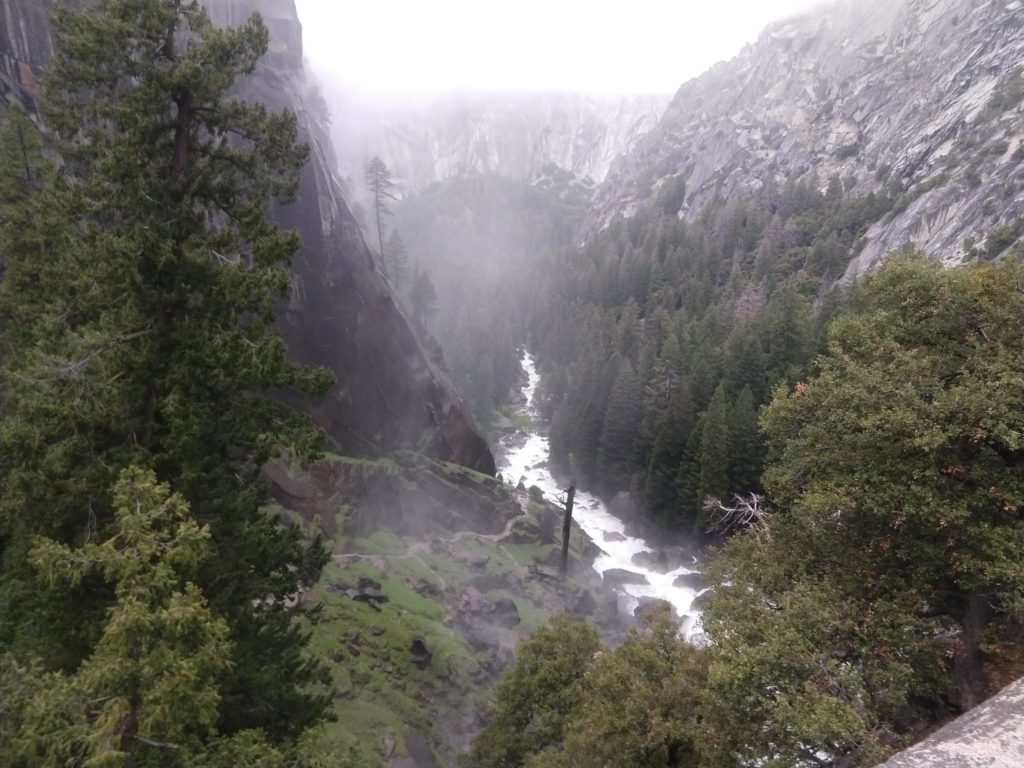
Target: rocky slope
pixel 427 139
pixel 393 389
pixel 922 94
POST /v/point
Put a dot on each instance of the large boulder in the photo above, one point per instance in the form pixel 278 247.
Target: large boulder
pixel 617 577
pixel 694 581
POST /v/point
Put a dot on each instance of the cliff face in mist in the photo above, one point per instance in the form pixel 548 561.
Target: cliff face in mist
pixel 516 135
pixel 392 391
pixel 925 94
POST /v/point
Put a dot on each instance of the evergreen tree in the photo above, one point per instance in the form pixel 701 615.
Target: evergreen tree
pixel 714 453
pixel 148 340
pixel 382 189
pixel 902 455
pixel 423 297
pixel 616 452
pixel 668 450
pixel 396 261
pixel 540 692
pixel 746 453
pixel 689 502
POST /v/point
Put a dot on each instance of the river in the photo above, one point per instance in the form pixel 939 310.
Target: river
pixel 527 460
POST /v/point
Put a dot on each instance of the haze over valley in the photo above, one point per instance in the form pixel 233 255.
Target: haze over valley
pixel 507 385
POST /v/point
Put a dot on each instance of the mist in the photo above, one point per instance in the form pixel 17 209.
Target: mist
pixel 647 46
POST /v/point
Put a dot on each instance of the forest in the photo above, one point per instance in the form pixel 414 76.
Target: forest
pixel 848 454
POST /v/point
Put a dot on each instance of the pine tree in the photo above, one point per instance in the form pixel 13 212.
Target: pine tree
pixel 382 189
pixel 616 452
pixel 149 339
pixel 148 694
pixel 688 477
pixel 423 297
pixel 746 448
pixel 714 452
pixel 396 261
pixel 668 451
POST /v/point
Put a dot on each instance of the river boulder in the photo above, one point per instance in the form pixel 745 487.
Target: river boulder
pixel 653 561
pixel 694 580
pixel 617 577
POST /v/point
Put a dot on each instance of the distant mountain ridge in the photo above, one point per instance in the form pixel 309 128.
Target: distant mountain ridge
pixel 431 138
pixel 923 94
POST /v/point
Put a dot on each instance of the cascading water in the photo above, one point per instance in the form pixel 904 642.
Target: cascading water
pixel 528 461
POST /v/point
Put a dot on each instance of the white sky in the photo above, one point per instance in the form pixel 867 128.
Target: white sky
pixel 601 46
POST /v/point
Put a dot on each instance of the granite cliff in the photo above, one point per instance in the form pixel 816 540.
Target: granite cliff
pixel 393 389
pixel 432 138
pixel 924 95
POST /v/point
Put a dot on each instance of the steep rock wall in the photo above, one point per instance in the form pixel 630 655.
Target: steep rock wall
pixel 393 390
pixel 923 92
pixel 428 139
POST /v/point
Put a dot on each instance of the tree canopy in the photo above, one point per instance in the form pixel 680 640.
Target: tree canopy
pixel 141 280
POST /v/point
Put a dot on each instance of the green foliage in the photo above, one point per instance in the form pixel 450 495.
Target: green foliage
pixel 535 698
pixel 148 693
pixel 999 240
pixel 139 297
pixel 903 456
pixel 639 707
pixel 568 702
pixel 723 301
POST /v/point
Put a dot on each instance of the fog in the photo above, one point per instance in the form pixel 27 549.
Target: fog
pixel 641 46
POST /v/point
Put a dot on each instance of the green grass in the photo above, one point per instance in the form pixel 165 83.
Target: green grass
pixel 380 543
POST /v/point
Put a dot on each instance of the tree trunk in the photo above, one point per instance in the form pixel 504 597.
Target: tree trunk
pixel 967 663
pixel 567 527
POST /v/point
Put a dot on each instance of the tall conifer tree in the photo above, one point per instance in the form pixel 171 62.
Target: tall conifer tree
pixel 150 339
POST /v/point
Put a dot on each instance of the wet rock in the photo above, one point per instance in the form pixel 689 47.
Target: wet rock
pixel 525 532
pixel 652 606
pixel 470 557
pixel 655 561
pixel 693 580
pixel 585 604
pixel 339 587
pixel 421 654
pixel 614 536
pixel 504 612
pixel 701 600
pixel 419 753
pixel 616 577
pixel 490 581
pixel 472 601
pixel 625 507
pixel 373 596
pixel 427 589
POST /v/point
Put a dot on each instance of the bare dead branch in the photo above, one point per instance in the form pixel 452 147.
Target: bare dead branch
pixel 745 512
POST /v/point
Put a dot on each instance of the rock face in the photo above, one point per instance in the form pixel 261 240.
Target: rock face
pixel 990 735
pixel 392 389
pixel 923 93
pixel 517 135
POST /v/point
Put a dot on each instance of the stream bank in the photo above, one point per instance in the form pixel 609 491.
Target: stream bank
pixel 637 570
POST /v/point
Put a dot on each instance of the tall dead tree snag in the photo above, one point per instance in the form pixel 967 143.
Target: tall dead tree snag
pixel 570 494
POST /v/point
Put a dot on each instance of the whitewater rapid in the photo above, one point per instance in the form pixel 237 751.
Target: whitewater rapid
pixel 528 461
